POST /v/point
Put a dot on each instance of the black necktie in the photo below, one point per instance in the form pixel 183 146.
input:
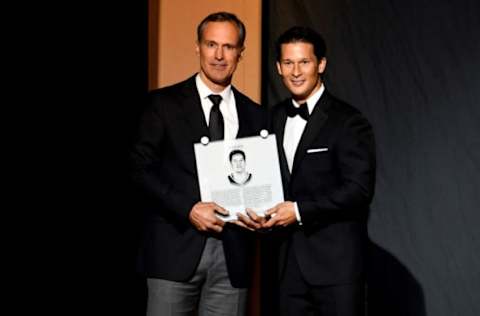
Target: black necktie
pixel 215 122
pixel 302 110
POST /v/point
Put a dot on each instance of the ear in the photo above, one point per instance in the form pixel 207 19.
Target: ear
pixel 197 48
pixel 322 65
pixel 279 69
pixel 240 55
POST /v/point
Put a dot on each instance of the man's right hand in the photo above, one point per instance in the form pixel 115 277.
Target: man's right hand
pixel 202 216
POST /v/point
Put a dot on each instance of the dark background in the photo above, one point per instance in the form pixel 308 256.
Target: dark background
pixel 117 88
pixel 85 85
pixel 412 67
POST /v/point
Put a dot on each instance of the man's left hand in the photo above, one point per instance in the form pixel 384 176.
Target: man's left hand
pixel 283 214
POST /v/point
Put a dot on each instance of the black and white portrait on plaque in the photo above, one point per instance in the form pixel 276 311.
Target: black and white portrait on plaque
pixel 238 163
pixel 240 173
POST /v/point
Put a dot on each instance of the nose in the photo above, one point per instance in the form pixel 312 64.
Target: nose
pixel 296 70
pixel 219 53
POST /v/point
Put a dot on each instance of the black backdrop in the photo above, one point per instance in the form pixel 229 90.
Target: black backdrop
pixel 413 68
pixel 85 93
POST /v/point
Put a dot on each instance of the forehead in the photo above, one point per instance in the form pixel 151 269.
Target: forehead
pixel 297 50
pixel 221 32
pixel 237 156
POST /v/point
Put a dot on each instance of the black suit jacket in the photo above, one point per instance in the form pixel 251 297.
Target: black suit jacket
pixel 165 170
pixel 332 180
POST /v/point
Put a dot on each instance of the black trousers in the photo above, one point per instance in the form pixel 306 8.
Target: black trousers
pixel 299 297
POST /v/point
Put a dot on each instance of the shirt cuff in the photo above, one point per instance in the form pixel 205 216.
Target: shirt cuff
pixel 297 213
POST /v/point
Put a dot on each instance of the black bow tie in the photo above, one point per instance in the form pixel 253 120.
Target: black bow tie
pixel 302 110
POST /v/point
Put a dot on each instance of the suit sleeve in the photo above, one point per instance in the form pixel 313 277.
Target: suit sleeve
pixel 147 158
pixel 355 158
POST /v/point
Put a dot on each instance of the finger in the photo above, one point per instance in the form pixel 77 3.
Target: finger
pixel 215 227
pixel 201 227
pixel 218 222
pixel 254 216
pixel 247 221
pixel 281 222
pixel 200 205
pixel 270 223
pixel 243 218
pixel 221 210
pixel 240 223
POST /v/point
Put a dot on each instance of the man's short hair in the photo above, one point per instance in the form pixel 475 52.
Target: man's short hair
pixel 223 17
pixel 236 152
pixel 302 34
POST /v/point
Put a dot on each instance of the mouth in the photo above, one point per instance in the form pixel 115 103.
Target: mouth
pixel 219 66
pixel 297 82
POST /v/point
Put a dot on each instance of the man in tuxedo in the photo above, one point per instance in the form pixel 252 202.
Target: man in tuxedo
pixel 194 262
pixel 327 158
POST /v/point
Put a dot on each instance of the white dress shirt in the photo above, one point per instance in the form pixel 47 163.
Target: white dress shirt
pixel 228 107
pixel 294 128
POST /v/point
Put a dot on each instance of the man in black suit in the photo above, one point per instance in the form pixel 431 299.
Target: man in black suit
pixel 327 158
pixel 193 261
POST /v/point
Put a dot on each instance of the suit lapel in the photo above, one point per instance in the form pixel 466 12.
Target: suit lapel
pixel 242 114
pixel 191 110
pixel 315 123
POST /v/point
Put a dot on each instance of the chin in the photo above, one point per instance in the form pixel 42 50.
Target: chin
pixel 298 94
pixel 219 80
pixel 295 90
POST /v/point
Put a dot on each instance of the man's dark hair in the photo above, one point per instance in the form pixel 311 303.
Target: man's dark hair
pixel 302 34
pixel 223 17
pixel 236 152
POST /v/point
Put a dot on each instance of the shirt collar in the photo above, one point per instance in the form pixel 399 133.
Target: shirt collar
pixel 312 100
pixel 205 91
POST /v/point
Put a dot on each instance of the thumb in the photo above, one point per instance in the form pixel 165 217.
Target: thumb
pixel 271 211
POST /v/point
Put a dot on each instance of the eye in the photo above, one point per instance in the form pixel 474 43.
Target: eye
pixel 211 44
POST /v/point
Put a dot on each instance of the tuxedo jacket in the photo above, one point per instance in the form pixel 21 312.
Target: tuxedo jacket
pixel 164 168
pixel 332 180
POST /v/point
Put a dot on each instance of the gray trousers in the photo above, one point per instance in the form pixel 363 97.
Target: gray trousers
pixel 207 293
